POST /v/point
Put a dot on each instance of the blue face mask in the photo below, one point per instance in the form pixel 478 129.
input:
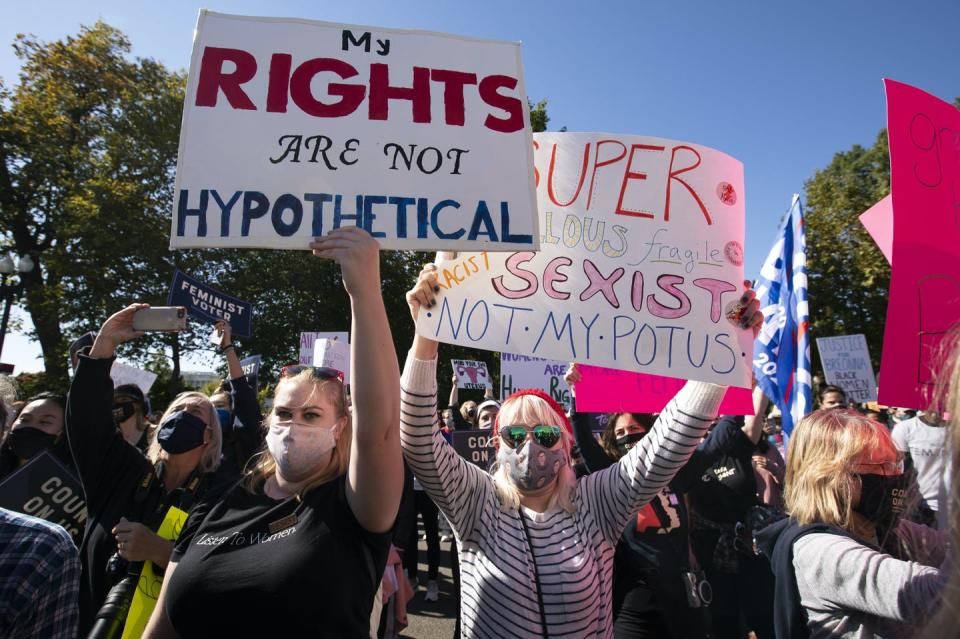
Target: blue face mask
pixel 181 432
pixel 224 415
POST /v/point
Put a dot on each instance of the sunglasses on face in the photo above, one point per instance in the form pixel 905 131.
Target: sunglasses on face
pixel 319 372
pixel 514 436
pixel 881 468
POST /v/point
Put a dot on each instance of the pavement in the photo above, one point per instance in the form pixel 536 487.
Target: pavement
pixel 432 619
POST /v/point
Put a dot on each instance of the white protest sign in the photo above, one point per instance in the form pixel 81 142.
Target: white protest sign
pixel 333 353
pixel 471 374
pixel 846 363
pixel 521 371
pixel 292 128
pixel 307 338
pixel 122 373
pixel 640 267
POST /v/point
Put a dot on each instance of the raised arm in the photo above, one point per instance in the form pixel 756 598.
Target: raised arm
pixel 249 438
pixel 96 444
pixel 593 454
pixel 753 424
pixel 234 370
pixel 459 488
pixel 375 475
pixel 454 393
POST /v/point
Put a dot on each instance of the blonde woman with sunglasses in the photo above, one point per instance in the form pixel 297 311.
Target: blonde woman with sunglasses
pixel 536 545
pixel 299 547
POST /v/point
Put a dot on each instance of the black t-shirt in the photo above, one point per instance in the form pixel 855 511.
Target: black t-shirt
pixel 250 565
pixel 728 487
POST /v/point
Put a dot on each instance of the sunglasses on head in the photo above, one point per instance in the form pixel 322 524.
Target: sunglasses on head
pixel 319 372
pixel 514 436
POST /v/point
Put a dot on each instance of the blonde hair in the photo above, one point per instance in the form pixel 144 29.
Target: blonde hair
pixel 530 409
pixel 823 449
pixel 262 465
pixel 210 460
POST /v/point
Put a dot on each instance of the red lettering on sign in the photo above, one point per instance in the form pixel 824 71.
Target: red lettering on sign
pixel 514 107
pixel 351 95
pixel 381 93
pixel 550 174
pixel 597 164
pixel 673 176
pixel 453 83
pixel 212 78
pixel 634 175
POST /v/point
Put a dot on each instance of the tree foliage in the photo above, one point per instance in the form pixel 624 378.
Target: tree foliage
pixel 538 116
pixel 848 275
pixel 88 143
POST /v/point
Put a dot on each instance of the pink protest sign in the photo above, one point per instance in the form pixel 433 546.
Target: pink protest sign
pixel 607 390
pixel 878 220
pixel 925 285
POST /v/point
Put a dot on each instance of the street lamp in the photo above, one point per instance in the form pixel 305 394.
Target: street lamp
pixel 8 290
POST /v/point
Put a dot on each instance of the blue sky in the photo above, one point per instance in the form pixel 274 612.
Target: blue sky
pixel 782 87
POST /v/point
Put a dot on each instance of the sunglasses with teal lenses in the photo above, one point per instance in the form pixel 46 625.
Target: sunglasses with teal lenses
pixel 514 436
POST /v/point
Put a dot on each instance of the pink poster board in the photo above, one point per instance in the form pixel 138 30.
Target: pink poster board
pixel 878 220
pixel 607 390
pixel 925 285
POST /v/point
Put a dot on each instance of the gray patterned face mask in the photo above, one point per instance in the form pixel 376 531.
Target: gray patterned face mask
pixel 532 466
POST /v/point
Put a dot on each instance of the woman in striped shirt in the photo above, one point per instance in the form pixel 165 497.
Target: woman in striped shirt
pixel 536 544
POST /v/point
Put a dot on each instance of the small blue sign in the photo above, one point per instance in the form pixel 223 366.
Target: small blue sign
pixel 209 304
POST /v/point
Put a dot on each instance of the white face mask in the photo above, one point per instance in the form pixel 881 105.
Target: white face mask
pixel 299 449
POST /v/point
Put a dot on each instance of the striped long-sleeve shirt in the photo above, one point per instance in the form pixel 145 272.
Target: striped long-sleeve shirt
pixel 573 551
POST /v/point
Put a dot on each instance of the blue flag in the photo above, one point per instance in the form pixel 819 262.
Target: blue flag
pixel 781 353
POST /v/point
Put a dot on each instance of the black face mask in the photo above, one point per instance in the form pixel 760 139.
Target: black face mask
pixel 625 443
pixel 181 432
pixel 25 442
pixel 122 411
pixel 882 498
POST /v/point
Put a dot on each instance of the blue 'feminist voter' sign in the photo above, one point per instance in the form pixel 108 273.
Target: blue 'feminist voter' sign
pixel 208 304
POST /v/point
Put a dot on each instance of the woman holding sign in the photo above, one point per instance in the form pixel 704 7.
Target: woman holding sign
pixel 536 544
pixel 299 546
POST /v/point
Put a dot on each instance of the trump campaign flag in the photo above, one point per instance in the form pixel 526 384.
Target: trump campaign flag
pixel 781 352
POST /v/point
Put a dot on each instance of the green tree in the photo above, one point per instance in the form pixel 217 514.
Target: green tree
pixel 88 143
pixel 848 275
pixel 538 116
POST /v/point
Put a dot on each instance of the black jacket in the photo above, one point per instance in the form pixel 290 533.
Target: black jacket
pixel 776 543
pixel 117 479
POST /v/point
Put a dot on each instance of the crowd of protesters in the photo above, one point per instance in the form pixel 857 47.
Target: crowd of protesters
pixel 303 521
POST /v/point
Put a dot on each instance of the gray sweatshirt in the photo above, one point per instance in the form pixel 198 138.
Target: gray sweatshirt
pixel 850 590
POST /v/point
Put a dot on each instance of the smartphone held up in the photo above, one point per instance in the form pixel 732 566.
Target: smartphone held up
pixel 160 318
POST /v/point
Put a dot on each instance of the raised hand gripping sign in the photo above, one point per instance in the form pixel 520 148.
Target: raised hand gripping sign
pixel 292 128
pixel 641 263
pixel 925 279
